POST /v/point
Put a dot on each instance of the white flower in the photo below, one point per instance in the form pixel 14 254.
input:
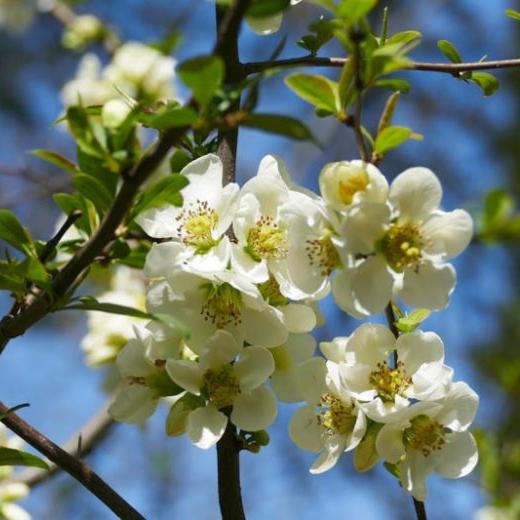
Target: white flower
pixel 10 493
pixel 142 72
pixel 199 225
pixel 114 113
pixel 432 436
pixel 221 300
pixel 332 422
pixel 81 31
pixel 401 248
pixel 267 24
pixel 141 365
pixel 89 86
pixel 108 333
pixel 274 225
pixel 227 377
pixel 383 391
pixel 494 513
pixel 288 358
pixel 345 183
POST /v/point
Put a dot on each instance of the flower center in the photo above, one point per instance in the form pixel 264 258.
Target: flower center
pixel 196 225
pixel 389 382
pixel 270 291
pixel 222 305
pixel 336 416
pixel 282 358
pixel 116 340
pixel 322 254
pixel 355 180
pixel 401 246
pixel 221 386
pixel 424 434
pixel 266 240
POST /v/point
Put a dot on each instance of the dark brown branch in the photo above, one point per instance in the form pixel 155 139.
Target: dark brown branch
pixel 420 510
pixel 51 245
pixel 77 469
pixel 315 61
pixel 79 445
pixel 41 305
pixel 228 448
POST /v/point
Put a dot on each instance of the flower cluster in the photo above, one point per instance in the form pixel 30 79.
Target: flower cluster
pixel 243 268
pixel 11 492
pixel 136 69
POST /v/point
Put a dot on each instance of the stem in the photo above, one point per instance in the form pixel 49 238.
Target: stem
pixel 228 462
pixel 228 449
pixel 79 470
pixel 315 61
pixel 359 85
pixel 420 510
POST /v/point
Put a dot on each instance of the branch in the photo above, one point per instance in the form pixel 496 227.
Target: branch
pixel 79 445
pixel 42 304
pixel 228 449
pixel 315 61
pixel 79 470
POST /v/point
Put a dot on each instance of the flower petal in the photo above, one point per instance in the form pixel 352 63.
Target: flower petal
pixel 330 455
pixel 298 318
pixel 414 470
pixel 264 328
pixel 415 193
pixel 458 456
pixel 305 430
pixel 220 349
pixel 460 407
pixel 312 379
pixel 186 374
pixel 132 362
pixel 416 348
pixel 429 287
pixel 160 222
pixel 133 404
pixel 389 443
pixel 205 426
pixel 163 258
pixel 253 367
pixel 255 410
pixel 448 234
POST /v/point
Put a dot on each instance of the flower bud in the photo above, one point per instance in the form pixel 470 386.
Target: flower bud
pixel 114 113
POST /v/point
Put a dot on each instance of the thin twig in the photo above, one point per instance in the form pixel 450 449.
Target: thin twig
pixel 316 61
pixel 77 469
pixel 51 245
pixel 91 434
pixel 420 510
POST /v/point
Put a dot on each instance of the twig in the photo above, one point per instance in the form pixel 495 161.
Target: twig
pixel 228 449
pixel 358 83
pixel 91 434
pixel 50 246
pixel 420 510
pixel 316 61
pixel 79 470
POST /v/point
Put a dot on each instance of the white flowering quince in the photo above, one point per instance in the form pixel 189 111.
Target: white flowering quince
pixel 331 422
pixel 384 391
pixel 223 300
pixel 273 225
pixel 199 225
pixel 109 333
pixel 345 183
pixel 432 437
pixel 401 248
pixel 228 378
pixel 141 364
pixel 288 358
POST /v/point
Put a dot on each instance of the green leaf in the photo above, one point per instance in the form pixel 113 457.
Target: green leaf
pixel 391 137
pixel 513 14
pixel 278 124
pixel 353 10
pixel 317 90
pixel 393 469
pixel 203 75
pixel 404 37
pixel 12 282
pixel 486 81
pixel 97 168
pixel 11 457
pixel 14 233
pixel 449 50
pixel 13 409
pixel 88 303
pixel 174 117
pixel 346 81
pixel 498 207
pixel 263 8
pixel 93 190
pixel 35 271
pixel 176 420
pixel 395 84
pixel 389 58
pixel 413 320
pixel 366 456
pixel 179 160
pixel 56 159
pixel 164 191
